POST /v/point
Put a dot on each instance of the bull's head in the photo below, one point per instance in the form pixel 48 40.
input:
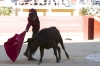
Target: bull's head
pixel 32 44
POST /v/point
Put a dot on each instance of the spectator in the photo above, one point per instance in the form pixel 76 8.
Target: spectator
pixel 96 2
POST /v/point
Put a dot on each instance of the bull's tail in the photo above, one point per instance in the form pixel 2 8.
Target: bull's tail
pixel 63 47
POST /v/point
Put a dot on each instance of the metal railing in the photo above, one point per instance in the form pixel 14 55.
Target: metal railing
pixel 60 3
pixel 38 3
pixel 52 3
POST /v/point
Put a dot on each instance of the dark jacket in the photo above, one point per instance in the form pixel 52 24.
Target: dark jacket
pixel 36 23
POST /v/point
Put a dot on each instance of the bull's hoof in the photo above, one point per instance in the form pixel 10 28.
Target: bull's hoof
pixel 57 61
pixel 26 54
pixel 68 57
pixel 39 63
pixel 32 59
pixel 59 58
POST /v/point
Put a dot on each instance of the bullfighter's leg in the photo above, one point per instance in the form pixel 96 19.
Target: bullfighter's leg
pixel 41 56
pixel 27 52
pixel 35 32
pixel 59 52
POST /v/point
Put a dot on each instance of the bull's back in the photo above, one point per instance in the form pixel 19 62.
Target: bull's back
pixel 49 35
pixel 57 33
pixel 54 34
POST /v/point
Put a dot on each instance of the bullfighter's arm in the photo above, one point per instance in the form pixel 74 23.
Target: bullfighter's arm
pixel 28 25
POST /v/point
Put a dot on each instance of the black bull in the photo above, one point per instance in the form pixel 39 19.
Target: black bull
pixel 45 39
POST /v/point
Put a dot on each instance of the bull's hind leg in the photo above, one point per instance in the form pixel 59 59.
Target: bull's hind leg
pixel 55 53
pixel 59 52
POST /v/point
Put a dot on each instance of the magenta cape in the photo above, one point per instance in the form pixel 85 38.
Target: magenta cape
pixel 13 45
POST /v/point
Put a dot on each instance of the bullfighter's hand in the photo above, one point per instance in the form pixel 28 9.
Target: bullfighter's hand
pixel 26 30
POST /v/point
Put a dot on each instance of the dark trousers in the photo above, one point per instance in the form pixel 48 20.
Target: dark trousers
pixel 34 33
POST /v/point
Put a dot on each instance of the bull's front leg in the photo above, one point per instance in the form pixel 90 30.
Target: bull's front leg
pixel 30 56
pixel 41 55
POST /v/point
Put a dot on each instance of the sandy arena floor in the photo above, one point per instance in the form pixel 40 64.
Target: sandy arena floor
pixel 77 51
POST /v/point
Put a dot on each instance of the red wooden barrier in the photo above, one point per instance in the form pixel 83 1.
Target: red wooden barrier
pixel 69 24
pixel 64 24
pixel 96 29
pixel 88 26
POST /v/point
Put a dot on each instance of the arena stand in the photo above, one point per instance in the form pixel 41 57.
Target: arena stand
pixel 47 7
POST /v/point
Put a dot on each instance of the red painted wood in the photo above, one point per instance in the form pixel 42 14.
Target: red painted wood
pixel 68 24
pixel 12 24
pixel 96 29
pixel 90 29
pixel 64 24
pixel 86 27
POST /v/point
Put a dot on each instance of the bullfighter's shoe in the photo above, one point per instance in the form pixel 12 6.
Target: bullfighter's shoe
pixel 25 54
pixel 31 59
